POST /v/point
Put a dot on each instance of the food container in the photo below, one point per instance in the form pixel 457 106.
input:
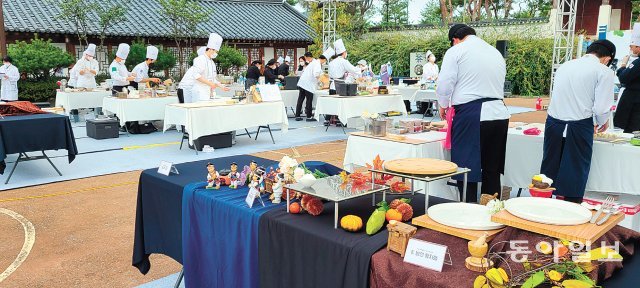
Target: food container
pixel 542 193
pixel 379 128
pixel 635 141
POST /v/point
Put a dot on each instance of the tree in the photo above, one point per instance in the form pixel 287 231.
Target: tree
pixel 229 57
pixel 183 16
pixel 77 12
pixel 38 58
pixel 349 26
pixel 108 15
pixel 394 13
pixel 431 14
pixel 138 54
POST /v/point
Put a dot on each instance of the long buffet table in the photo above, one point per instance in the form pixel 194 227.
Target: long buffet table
pixel 353 106
pixel 81 99
pixel 137 109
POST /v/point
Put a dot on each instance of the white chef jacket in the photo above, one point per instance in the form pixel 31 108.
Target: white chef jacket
pixel 339 67
pixel 88 80
pixel 473 70
pixel 309 78
pixel 203 67
pixel 186 83
pixel 9 89
pixel 73 77
pixel 142 71
pixel 119 73
pixel 582 88
pixel 430 71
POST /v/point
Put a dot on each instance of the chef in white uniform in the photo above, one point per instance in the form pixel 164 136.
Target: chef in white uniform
pixel 87 68
pixel 472 81
pixel 340 66
pixel 430 70
pixel 118 71
pixel 205 71
pixel 10 76
pixel 184 88
pixel 142 69
pixel 73 77
pixel 308 83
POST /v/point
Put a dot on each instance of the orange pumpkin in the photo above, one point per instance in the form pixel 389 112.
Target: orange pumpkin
pixel 294 208
pixel 393 214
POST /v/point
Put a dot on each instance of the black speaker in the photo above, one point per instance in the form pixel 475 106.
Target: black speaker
pixel 503 47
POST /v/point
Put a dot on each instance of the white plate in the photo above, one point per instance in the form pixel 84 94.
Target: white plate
pixel 548 211
pixel 463 215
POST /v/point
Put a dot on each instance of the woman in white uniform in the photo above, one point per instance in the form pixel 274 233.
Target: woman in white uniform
pixel 430 70
pixel 10 76
pixel 205 71
pixel 87 69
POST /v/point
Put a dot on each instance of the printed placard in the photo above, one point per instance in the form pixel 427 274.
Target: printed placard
pixel 251 196
pixel 425 254
pixel 165 168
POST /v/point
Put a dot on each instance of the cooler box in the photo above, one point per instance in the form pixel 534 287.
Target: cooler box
pixel 222 140
pixel 103 128
pixel 629 205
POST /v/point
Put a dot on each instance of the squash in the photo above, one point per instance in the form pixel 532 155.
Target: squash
pixel 351 223
pixel 393 214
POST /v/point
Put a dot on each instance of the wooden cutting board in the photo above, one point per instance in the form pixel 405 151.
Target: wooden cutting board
pixel 426 222
pixel 406 140
pixel 421 166
pixel 582 233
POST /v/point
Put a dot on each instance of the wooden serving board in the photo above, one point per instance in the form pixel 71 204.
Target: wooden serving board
pixel 426 222
pixel 582 233
pixel 406 140
pixel 421 166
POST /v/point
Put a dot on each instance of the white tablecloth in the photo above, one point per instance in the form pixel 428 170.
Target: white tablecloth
pixel 142 109
pixel 424 95
pixel 362 150
pixel 77 100
pixel 354 106
pixel 290 99
pixel 203 121
pixel 613 166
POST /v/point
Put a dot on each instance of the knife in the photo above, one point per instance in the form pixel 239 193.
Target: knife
pixel 605 218
pixel 595 216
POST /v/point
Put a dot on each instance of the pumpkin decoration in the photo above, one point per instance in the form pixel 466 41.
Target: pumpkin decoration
pixel 393 214
pixel 351 223
pixel 394 204
pixel 295 208
pixel 406 210
pixel 305 200
pixel 314 206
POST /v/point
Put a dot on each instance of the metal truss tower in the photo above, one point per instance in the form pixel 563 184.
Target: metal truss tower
pixel 563 34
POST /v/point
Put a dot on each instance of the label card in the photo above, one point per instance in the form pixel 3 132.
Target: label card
pixel 251 196
pixel 166 168
pixel 425 254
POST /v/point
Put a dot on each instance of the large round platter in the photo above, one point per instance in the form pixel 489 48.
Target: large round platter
pixel 420 166
pixel 463 215
pixel 548 211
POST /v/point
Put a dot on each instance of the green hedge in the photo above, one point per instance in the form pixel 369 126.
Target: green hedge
pixel 528 64
pixel 38 90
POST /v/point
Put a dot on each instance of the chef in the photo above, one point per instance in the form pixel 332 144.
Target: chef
pixel 271 73
pixel 340 66
pixel 118 71
pixel 205 71
pixel 142 69
pixel 472 82
pixel 308 82
pixel 627 114
pixel 580 103
pixel 86 69
pixel 283 69
pixel 9 76
pixel 184 88
pixel 73 77
pixel 430 70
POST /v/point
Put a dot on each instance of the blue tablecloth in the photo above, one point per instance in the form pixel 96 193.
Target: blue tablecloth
pixel 220 234
pixel 39 132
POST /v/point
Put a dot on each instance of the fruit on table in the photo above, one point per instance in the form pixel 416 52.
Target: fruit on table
pixel 393 214
pixel 576 284
pixel 496 277
pixel 351 223
pixel 295 208
pixel 394 204
pixel 480 282
pixel 406 210
pixel 375 222
pixel 314 206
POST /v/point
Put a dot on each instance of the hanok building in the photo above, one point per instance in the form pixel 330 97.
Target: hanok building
pixel 260 29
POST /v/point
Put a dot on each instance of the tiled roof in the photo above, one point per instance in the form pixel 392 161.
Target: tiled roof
pixel 232 19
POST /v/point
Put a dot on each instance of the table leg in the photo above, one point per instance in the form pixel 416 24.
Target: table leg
pixel 54 166
pixel 464 189
pixel 180 276
pixel 288 200
pixel 426 197
pixel 335 217
pixel 373 176
pixel 14 168
pixel 413 191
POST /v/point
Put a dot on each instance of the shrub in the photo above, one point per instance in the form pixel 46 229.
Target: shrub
pixel 138 54
pixel 38 90
pixel 38 58
pixel 229 57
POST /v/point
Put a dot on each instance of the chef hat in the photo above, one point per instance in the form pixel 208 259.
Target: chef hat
pixel 328 53
pixel 201 50
pixel 152 52
pixel 635 35
pixel 362 62
pixel 91 50
pixel 215 41
pixel 287 59
pixel 339 46
pixel 429 53
pixel 280 60
pixel 123 51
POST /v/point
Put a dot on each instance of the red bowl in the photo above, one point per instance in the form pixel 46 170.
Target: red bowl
pixel 542 193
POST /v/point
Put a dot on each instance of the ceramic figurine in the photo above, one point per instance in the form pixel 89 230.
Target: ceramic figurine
pixel 234 176
pixel 213 178
pixel 277 188
pixel 260 173
pixel 253 166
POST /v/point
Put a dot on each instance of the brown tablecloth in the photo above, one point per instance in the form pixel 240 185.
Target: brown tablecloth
pixel 19 108
pixel 389 270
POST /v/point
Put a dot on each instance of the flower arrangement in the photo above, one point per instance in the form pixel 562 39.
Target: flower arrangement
pixel 288 167
pixel 495 206
pixel 370 116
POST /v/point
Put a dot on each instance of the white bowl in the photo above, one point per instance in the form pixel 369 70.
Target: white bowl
pixel 307 180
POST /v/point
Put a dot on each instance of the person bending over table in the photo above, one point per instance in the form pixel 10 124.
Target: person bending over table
pixel 339 68
pixel 271 72
pixel 142 69
pixel 308 83
pixel 253 74
pixel 118 71
pixel 184 87
pixel 472 81
pixel 582 95
pixel 205 76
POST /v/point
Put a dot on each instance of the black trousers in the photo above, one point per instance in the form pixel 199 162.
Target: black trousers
pixel 117 89
pixel 180 95
pixel 493 147
pixel 472 191
pixel 304 95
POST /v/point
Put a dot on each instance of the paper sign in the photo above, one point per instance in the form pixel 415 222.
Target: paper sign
pixel 270 93
pixel 165 168
pixel 425 254
pixel 251 196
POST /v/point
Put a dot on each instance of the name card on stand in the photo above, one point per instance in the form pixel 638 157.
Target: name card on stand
pixel 166 168
pixel 270 93
pixel 425 254
pixel 251 197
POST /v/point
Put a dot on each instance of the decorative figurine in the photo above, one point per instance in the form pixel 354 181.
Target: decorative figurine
pixel 478 250
pixel 213 178
pixel 277 188
pixel 253 166
pixel 257 181
pixel 234 176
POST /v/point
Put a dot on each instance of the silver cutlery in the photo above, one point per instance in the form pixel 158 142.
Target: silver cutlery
pixel 606 217
pixel 608 202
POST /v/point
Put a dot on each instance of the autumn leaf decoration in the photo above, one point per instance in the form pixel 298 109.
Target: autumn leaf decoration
pixel 377 165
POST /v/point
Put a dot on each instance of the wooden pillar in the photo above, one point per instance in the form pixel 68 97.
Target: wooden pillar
pixel 3 34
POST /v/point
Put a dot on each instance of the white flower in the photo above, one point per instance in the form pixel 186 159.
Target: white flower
pixel 298 173
pixel 495 206
pixel 287 164
pixel 375 116
pixel 365 115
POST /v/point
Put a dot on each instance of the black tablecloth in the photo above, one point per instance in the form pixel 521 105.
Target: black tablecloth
pixel 40 132
pixel 306 251
pixel 158 227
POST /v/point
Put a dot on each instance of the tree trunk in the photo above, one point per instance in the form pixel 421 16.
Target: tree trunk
pixel 444 12
pixel 507 8
pixel 487 9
